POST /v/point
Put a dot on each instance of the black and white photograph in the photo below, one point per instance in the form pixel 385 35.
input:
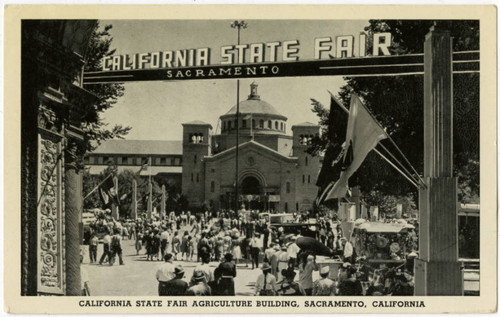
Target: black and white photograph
pixel 242 158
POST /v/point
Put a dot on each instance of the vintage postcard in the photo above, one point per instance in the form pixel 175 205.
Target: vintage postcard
pixel 272 159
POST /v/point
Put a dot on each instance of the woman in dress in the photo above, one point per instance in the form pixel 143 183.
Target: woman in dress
pixel 236 248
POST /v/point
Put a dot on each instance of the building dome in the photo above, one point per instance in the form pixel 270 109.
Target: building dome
pixel 254 105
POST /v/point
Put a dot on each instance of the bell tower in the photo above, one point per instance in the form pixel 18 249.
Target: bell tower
pixel 195 145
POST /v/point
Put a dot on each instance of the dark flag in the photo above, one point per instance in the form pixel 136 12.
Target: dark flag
pixel 336 131
pixel 108 193
pixel 363 134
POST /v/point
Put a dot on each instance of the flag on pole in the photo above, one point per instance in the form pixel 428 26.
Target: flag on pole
pixel 363 134
pixel 108 193
pixel 336 131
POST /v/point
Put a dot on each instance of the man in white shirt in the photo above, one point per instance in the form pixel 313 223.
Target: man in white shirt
pixel 165 273
pixel 256 246
pixel 266 282
pixel 292 250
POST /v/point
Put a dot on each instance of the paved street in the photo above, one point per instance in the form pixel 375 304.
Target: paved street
pixel 137 276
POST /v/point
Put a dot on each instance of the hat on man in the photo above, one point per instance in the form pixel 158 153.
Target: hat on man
pixel 266 267
pixel 198 276
pixel 178 270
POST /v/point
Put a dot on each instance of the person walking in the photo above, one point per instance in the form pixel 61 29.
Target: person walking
pixel 266 282
pixel 106 241
pixel 189 249
pixel 293 249
pixel 324 286
pixel 94 241
pixel 176 244
pixel 199 287
pixel 138 242
pixel 176 286
pixel 256 246
pixel 225 274
pixel 306 268
pixel 164 241
pixel 282 262
pixel 184 245
pixel 116 247
pixel 236 248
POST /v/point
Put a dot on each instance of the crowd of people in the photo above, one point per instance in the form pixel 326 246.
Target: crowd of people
pixel 238 242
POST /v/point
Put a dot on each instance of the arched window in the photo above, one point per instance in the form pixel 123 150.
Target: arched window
pixel 303 179
pixel 224 126
pixel 307 161
pixel 309 179
pixel 288 187
pixel 212 186
pixel 261 124
pixel 195 159
pixel 286 207
pixel 269 124
pixel 253 124
pixel 197 177
pixel 200 138
pixel 281 126
pixel 244 123
pixel 229 125
pixel 296 206
pixel 276 125
pixel 192 177
pixel 285 127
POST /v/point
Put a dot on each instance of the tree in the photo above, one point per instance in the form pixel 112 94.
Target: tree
pixel 95 129
pixel 397 103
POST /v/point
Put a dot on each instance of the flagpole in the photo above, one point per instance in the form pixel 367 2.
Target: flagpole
pixel 237 25
pixel 95 188
pixel 150 200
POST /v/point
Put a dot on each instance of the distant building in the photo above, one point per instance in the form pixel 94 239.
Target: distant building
pixel 166 159
pixel 275 172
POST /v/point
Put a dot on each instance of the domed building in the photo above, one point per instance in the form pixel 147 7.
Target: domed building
pixel 274 172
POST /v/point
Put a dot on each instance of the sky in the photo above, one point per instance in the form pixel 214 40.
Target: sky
pixel 156 110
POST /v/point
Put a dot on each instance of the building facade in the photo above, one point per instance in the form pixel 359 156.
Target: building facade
pixel 274 171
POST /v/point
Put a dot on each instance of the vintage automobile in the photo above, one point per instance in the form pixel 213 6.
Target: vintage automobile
pixel 291 225
pixel 382 243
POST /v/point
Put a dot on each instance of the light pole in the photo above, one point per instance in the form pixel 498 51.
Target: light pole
pixel 237 25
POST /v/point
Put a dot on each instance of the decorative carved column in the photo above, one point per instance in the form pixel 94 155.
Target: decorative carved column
pixel 437 270
pixel 50 202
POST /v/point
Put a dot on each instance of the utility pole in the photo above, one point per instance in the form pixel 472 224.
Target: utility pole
pixel 237 25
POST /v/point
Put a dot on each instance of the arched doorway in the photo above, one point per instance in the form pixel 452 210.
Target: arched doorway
pixel 251 190
pixel 250 186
